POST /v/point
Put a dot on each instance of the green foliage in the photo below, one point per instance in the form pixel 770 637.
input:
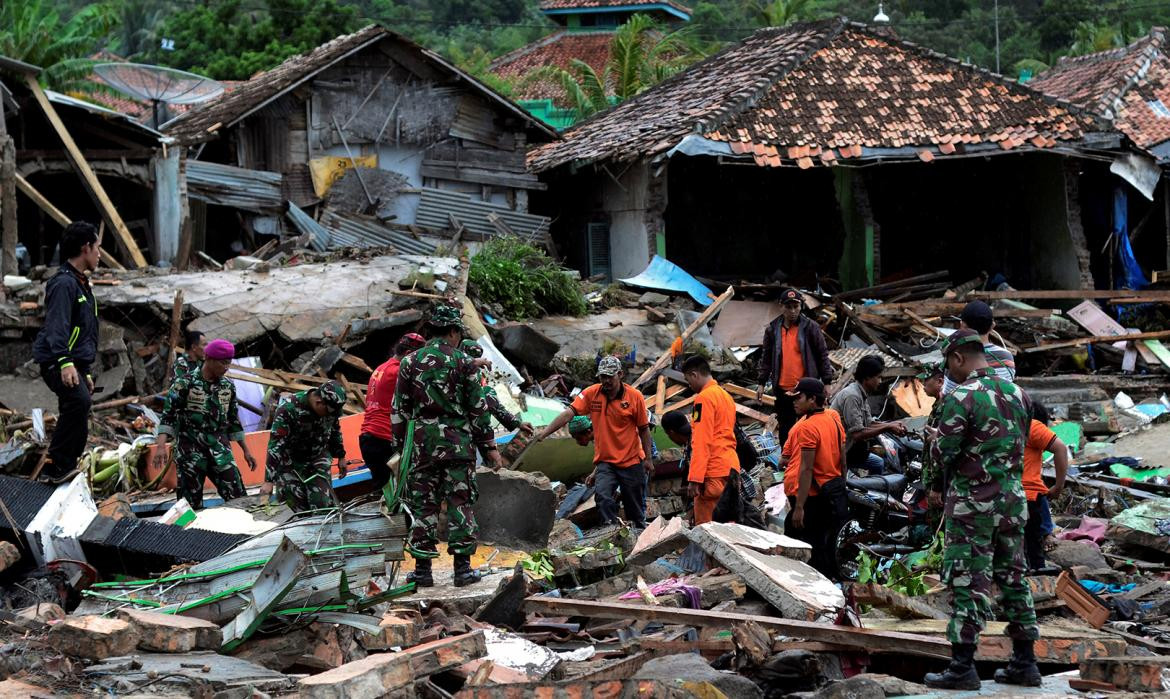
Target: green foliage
pixel 34 31
pixel 781 13
pixel 523 280
pixel 902 573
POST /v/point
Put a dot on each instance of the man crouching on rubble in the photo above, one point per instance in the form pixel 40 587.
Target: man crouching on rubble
pixel 439 390
pixel 983 426
pixel 305 439
pixel 200 413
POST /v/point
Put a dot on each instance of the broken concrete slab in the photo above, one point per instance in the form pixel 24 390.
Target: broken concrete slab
pixel 653 298
pixel 9 555
pixel 93 637
pixel 184 670
pixel 662 536
pixel 761 540
pixel 1137 525
pixel 793 587
pixel 172 633
pixel 692 667
pixel 1068 554
pixel 461 600
pixel 626 326
pixel 37 615
pixel 382 675
pixel 400 628
pixel 515 508
pixel 506 607
pixel 856 687
pixel 526 345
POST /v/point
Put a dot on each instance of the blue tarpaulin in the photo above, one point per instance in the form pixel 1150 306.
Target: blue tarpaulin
pixel 1132 276
pixel 664 275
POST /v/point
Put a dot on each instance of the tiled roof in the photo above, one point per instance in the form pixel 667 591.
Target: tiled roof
pixel 591 4
pixel 1119 84
pixel 813 93
pixel 558 50
pixel 255 93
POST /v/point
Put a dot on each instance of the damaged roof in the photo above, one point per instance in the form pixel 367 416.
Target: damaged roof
pixel 558 50
pixel 817 92
pixel 1129 85
pixel 248 97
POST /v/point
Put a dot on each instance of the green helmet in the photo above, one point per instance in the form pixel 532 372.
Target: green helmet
pixel 444 316
pixel 333 395
pixel 471 348
pixel 580 425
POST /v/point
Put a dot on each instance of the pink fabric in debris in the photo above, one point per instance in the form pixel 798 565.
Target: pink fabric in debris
pixel 693 594
pixel 1090 529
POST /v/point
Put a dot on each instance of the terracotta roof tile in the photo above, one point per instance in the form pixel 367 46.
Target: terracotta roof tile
pixel 1126 85
pixel 558 50
pixel 830 85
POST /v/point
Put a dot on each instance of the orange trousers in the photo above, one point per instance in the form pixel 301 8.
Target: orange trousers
pixel 705 503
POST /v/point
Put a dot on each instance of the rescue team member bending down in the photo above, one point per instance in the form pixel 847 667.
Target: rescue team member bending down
pixel 983 427
pixel 621 451
pixel 510 421
pixel 439 389
pixel 304 441
pixel 794 347
pixel 814 461
pixel 66 346
pixel 201 414
pixel 377 439
pixel 712 449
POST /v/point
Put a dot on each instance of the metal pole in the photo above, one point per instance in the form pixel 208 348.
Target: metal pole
pixel 997 36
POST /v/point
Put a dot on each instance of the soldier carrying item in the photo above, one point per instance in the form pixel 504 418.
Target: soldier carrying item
pixel 305 440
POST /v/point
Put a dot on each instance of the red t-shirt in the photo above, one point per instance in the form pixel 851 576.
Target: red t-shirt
pixel 380 399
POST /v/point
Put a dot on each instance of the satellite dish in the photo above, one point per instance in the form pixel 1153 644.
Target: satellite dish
pixel 158 84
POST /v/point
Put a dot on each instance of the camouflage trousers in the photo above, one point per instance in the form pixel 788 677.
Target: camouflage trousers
pixel 984 542
pixel 430 484
pixel 305 486
pixel 214 461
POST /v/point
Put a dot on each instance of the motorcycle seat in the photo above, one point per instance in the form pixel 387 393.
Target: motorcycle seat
pixel 892 483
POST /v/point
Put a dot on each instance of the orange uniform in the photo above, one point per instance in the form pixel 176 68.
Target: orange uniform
pixel 1040 438
pixel 792 368
pixel 616 424
pixel 823 432
pixel 713 456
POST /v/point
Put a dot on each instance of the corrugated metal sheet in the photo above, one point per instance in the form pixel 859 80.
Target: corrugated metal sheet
pixel 435 205
pixel 365 232
pixel 318 236
pixel 237 187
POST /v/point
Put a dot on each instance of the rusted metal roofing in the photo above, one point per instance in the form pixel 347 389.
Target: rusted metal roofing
pixel 1130 85
pixel 206 121
pixel 560 49
pixel 813 93
pixel 225 185
pixel 437 206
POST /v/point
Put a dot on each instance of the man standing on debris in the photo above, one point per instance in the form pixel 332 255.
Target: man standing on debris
pixel 852 403
pixel 978 316
pixel 510 421
pixel 621 447
pixel 439 390
pixel 794 347
pixel 1041 438
pixel 66 345
pixel 304 441
pixel 201 415
pixel 814 463
pixel 983 427
pixel 188 362
pixel 713 459
pixel 377 439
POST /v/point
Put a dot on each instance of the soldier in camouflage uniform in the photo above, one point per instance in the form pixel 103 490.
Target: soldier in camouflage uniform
pixel 305 440
pixel 439 389
pixel 983 426
pixel 195 345
pixel 931 377
pixel 201 415
pixel 510 421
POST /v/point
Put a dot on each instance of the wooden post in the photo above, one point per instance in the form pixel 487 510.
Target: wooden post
pixel 57 215
pixel 8 236
pixel 176 320
pixel 702 320
pixel 88 177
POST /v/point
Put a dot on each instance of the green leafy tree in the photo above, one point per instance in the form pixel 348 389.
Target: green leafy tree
pixel 137 26
pixel 35 32
pixel 781 13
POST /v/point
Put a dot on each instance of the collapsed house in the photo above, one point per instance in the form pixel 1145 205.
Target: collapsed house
pixel 367 140
pixel 845 154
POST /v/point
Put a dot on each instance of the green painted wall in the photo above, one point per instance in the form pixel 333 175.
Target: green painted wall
pixel 856 266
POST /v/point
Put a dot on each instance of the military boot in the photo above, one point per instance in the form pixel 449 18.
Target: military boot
pixel 421 575
pixel 1022 669
pixel 960 674
pixel 464 575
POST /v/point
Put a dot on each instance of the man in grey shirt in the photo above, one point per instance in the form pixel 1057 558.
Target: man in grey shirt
pixel 852 403
pixel 977 316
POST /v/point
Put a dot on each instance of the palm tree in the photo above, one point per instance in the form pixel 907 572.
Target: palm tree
pixel 32 31
pixel 1091 37
pixel 641 55
pixel 781 13
pixel 138 24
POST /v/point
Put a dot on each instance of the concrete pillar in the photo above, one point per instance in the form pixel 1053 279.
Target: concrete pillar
pixel 634 219
pixel 167 210
pixel 8 233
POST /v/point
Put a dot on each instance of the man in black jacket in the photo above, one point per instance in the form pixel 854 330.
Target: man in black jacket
pixel 794 348
pixel 66 345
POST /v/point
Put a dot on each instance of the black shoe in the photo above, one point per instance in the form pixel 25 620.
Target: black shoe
pixel 421 575
pixel 464 575
pixel 960 674
pixel 1022 669
pixel 57 478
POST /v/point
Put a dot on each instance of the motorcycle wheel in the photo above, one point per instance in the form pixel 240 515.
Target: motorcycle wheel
pixel 846 550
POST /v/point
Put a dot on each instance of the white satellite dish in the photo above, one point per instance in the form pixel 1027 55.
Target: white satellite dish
pixel 158 84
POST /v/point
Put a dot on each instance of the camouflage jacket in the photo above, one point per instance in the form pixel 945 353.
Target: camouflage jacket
pixel 982 429
pixel 439 388
pixel 300 436
pixel 199 411
pixel 931 474
pixel 185 365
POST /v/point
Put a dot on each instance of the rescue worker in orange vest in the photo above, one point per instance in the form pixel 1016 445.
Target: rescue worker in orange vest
pixel 713 459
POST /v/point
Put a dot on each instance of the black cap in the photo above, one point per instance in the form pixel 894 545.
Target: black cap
pixel 808 386
pixel 788 295
pixel 977 314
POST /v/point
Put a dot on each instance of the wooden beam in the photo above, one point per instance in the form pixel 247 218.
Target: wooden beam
pixel 748 393
pixel 88 177
pixel 864 639
pixel 691 329
pixel 1158 335
pixel 660 396
pixel 1150 295
pixel 57 215
pixel 866 334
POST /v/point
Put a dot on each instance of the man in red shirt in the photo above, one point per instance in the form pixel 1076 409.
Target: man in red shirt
pixel 376 440
pixel 713 459
pixel 621 448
